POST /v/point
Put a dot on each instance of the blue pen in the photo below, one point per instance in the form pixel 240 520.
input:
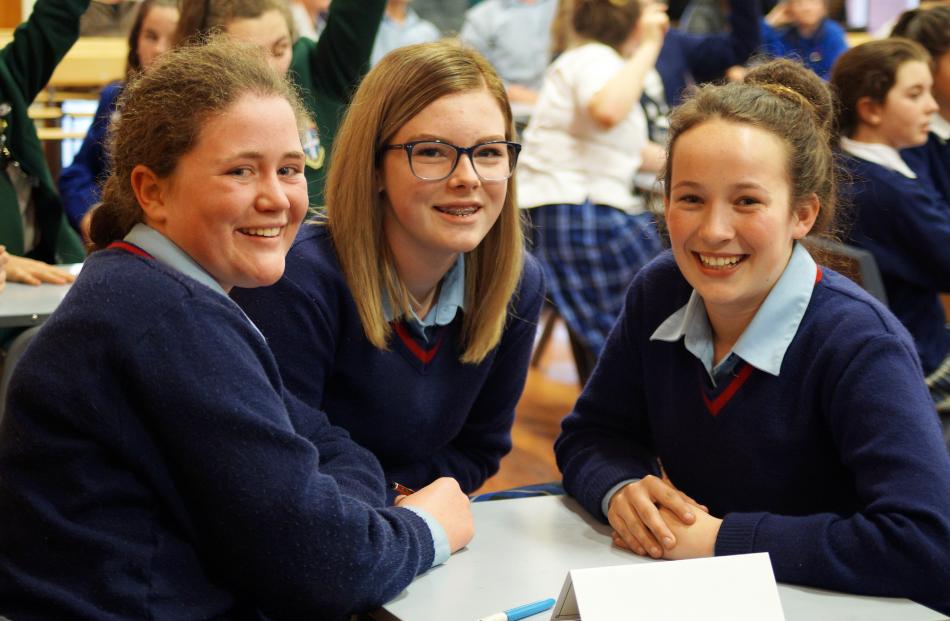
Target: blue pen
pixel 520 612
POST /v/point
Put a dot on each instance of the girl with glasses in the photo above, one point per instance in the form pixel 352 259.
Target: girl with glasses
pixel 408 313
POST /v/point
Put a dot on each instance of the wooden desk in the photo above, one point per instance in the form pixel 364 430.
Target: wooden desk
pixel 522 552
pixel 92 62
pixel 27 305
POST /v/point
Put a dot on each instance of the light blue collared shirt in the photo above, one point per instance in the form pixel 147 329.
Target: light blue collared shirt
pixel 515 37
pixel 392 34
pixel 166 252
pixel 764 341
pixel 451 299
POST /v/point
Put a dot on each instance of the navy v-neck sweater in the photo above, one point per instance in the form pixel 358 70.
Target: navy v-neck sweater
pixel 421 411
pixel 152 466
pixel 836 467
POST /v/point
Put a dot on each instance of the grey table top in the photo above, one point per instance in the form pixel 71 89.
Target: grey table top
pixel 523 549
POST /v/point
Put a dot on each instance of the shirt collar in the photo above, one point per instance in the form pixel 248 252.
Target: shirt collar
pixel 766 339
pixel 882 154
pixel 940 126
pixel 166 252
pixel 451 299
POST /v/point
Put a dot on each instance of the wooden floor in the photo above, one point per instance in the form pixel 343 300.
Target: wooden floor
pixel 548 396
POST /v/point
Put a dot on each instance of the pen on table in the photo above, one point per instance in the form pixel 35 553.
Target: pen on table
pixel 401 489
pixel 513 614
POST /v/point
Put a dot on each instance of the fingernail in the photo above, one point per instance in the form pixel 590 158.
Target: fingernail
pixel 688 515
pixel 668 542
pixel 655 551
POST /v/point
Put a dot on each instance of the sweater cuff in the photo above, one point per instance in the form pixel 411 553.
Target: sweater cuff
pixel 737 533
pixel 440 540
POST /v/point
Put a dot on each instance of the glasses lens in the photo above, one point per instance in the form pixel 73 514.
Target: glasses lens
pixel 432 160
pixel 494 161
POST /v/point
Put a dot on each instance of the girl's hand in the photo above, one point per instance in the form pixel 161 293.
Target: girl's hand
pixel 4 258
pixel 31 272
pixel 652 25
pixel 444 500
pixel 779 15
pixel 634 513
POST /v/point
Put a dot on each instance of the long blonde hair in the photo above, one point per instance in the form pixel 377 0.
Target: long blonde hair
pixel 397 89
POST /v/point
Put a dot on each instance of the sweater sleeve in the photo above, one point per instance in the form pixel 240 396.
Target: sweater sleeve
pixel 79 182
pixel 41 42
pixel 341 55
pixel 475 453
pixel 606 438
pixel 883 423
pixel 274 523
pixel 708 56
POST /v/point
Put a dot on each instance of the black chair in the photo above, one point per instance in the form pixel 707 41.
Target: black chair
pixel 584 358
pixel 856 263
pixel 17 346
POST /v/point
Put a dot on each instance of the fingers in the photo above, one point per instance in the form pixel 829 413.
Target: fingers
pixel 31 272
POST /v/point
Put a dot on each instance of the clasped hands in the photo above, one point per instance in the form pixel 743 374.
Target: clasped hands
pixel 650 517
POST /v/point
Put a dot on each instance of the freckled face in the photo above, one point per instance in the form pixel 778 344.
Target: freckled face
pixel 728 214
pixel 433 221
pixel 235 201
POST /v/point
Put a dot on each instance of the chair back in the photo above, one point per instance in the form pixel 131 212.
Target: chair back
pixel 17 346
pixel 856 263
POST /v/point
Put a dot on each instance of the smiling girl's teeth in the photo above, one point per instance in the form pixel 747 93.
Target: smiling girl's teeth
pixel 271 232
pixel 458 211
pixel 719 261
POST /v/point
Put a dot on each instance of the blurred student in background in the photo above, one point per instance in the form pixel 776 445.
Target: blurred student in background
pixel 327 71
pixel 931 28
pixel 582 148
pixel 33 227
pixel 152 33
pixel 801 29
pixel 401 26
pixel 899 216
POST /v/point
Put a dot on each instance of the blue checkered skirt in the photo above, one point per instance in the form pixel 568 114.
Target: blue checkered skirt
pixel 589 254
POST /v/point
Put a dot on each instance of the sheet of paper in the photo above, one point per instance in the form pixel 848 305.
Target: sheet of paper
pixel 724 588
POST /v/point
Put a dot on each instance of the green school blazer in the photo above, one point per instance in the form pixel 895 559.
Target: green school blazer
pixel 328 73
pixel 26 64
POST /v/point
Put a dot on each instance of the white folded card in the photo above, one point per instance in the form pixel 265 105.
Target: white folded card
pixel 722 588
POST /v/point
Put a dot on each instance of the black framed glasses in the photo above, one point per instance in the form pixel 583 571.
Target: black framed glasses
pixel 434 160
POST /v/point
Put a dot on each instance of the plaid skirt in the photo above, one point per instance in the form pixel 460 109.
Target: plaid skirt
pixel 589 254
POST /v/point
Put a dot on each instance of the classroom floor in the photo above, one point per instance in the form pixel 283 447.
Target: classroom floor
pixel 549 395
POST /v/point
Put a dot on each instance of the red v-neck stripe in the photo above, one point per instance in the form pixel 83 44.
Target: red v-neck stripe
pixel 122 245
pixel 715 405
pixel 818 274
pixel 425 356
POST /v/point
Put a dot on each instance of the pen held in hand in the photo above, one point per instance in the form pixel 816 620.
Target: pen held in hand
pixel 521 612
pixel 402 490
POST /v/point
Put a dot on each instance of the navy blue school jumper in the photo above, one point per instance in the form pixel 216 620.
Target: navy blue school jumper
pixel 154 467
pixel 79 183
pixel 687 58
pixel 835 467
pixel 905 224
pixel 932 159
pixel 421 411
